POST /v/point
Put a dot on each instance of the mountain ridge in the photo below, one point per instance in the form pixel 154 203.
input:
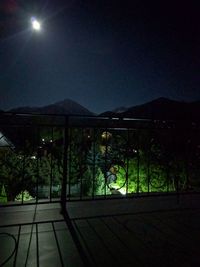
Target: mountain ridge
pixel 64 107
pixel 160 108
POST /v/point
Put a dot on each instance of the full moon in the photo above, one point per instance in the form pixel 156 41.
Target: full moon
pixel 35 24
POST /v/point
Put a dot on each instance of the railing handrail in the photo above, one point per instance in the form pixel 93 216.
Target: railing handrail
pixel 30 119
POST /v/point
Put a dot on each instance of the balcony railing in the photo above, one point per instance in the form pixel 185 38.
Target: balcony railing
pixel 45 158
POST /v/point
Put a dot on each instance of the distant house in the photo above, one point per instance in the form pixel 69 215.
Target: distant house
pixel 5 142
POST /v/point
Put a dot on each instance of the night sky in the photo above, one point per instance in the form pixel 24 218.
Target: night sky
pixel 103 54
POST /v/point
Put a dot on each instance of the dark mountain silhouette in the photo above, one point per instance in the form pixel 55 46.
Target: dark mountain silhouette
pixel 64 107
pixel 162 109
pixel 120 109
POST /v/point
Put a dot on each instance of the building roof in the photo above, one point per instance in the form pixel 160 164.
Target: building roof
pixel 4 141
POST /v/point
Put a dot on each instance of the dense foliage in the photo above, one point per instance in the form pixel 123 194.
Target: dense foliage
pixel 100 162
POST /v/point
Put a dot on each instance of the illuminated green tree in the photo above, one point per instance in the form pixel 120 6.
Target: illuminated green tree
pixel 17 173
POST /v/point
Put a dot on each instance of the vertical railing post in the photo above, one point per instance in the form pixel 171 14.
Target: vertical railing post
pixel 81 165
pixel 138 167
pixel 65 167
pixel 106 164
pixel 51 165
pixel 127 160
pixel 93 162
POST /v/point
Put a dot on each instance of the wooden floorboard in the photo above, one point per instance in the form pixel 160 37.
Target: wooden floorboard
pixel 118 233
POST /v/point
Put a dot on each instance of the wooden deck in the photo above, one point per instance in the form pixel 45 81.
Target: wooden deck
pixel 151 231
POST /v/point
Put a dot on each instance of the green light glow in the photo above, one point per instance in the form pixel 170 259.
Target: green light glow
pixel 24 195
pixel 3 196
pixel 142 180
